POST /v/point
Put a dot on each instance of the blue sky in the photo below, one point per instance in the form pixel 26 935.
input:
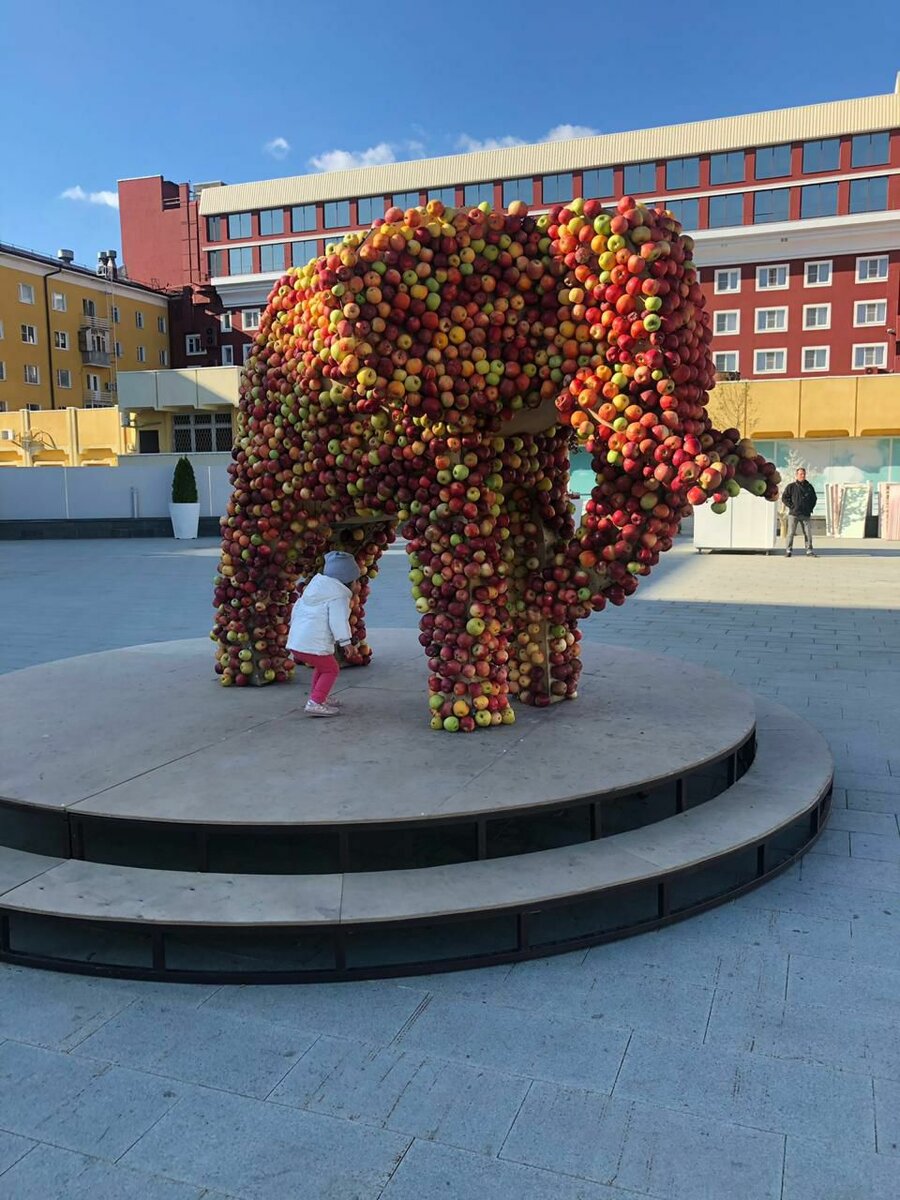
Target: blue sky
pixel 94 91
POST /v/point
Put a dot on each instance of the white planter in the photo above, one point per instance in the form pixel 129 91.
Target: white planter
pixel 185 519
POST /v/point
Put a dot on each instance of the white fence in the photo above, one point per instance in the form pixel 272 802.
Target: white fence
pixel 141 486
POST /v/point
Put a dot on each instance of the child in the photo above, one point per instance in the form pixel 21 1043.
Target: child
pixel 320 618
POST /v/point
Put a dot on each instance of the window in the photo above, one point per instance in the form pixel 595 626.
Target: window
pixel 29 335
pixel 683 172
pixel 139 319
pixel 818 200
pixel 480 193
pixel 726 210
pixel 727 279
pixel 816 316
pixel 60 339
pixel 303 217
pixel 556 189
pixel 726 361
pixel 337 214
pixel 869 149
pixel 640 177
pixel 225 322
pixel 518 189
pixel 246 351
pixel 368 209
pixel 772 161
pixel 271 257
pixel 92 382
pixel 597 183
pixel 63 377
pixel 302 252
pixel 214 229
pixel 271 220
pixel 239 225
pixel 727 167
pixel 687 212
pixel 161 324
pixel 163 358
pixel 870 356
pixel 772 278
pixel 872 270
pixel 26 293
pixel 870 312
pixel 193 344
pixel 823 155
pixel 33 407
pixel 817 274
pixel 240 262
pixel 446 195
pixel 771 320
pixel 771 205
pixel 2 334
pixel 119 351
pixel 868 195
pixel 2 378
pixel 816 358
pixel 250 318
pixel 770 362
pixel 115 314
pixel 726 321
pixel 88 308
pixel 141 354
pixel 228 356
pixel 406 200
pixel 215 263
pixel 58 302
pixel 32 374
pixel 200 433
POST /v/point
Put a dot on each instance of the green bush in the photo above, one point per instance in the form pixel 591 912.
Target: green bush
pixel 184 485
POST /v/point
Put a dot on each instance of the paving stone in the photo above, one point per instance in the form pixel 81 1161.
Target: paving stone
pixel 748 1089
pixel 885 847
pixel 188 1045
pixel 832 841
pixel 876 937
pixel 857 820
pixel 430 1171
pixel 854 1041
pixel 48 1173
pixel 12 1148
pixel 877 802
pixel 469 1107
pixel 653 1151
pixel 830 871
pixel 817 1171
pixel 77 1104
pixel 852 987
pixel 579 1052
pixel 887 1118
pixel 262 1151
pixel 379 1010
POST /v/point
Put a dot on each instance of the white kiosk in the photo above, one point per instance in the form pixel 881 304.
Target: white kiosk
pixel 749 523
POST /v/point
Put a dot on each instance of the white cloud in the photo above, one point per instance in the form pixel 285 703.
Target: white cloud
pixel 346 160
pixel 559 133
pixel 109 199
pixel 278 147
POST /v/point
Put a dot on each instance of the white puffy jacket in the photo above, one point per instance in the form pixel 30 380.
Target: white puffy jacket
pixel 321 617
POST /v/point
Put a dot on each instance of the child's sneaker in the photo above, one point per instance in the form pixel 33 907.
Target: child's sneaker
pixel 321 710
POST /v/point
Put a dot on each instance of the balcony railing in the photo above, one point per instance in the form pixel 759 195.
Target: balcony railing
pixel 98 323
pixel 93 399
pixel 95 358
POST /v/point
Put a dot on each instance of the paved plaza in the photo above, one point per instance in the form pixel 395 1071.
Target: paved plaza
pixel 751 1053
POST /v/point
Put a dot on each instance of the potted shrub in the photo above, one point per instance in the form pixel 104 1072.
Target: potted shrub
pixel 185 508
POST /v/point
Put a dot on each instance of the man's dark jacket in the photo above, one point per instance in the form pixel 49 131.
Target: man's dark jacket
pixel 799 498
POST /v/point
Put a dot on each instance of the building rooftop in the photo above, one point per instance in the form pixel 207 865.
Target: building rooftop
pixel 828 119
pixel 77 268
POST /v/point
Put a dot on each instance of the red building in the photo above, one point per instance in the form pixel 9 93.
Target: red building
pixel 796 216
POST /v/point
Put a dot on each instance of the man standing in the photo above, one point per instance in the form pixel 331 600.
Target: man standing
pixel 799 498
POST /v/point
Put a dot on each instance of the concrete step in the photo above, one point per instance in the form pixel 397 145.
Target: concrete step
pixel 143 923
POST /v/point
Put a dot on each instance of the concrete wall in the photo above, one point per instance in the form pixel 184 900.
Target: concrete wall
pixel 63 493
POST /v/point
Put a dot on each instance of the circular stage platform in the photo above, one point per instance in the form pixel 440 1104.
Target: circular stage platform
pixel 153 824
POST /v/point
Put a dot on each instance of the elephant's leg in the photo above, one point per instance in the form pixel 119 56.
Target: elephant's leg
pixel 459 583
pixel 366 542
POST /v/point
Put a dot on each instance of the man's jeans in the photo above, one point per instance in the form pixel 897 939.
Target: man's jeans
pixel 792 523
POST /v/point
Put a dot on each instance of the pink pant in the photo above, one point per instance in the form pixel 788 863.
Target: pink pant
pixel 325 672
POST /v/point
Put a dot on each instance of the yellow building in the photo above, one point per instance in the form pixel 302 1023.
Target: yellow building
pixel 66 332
